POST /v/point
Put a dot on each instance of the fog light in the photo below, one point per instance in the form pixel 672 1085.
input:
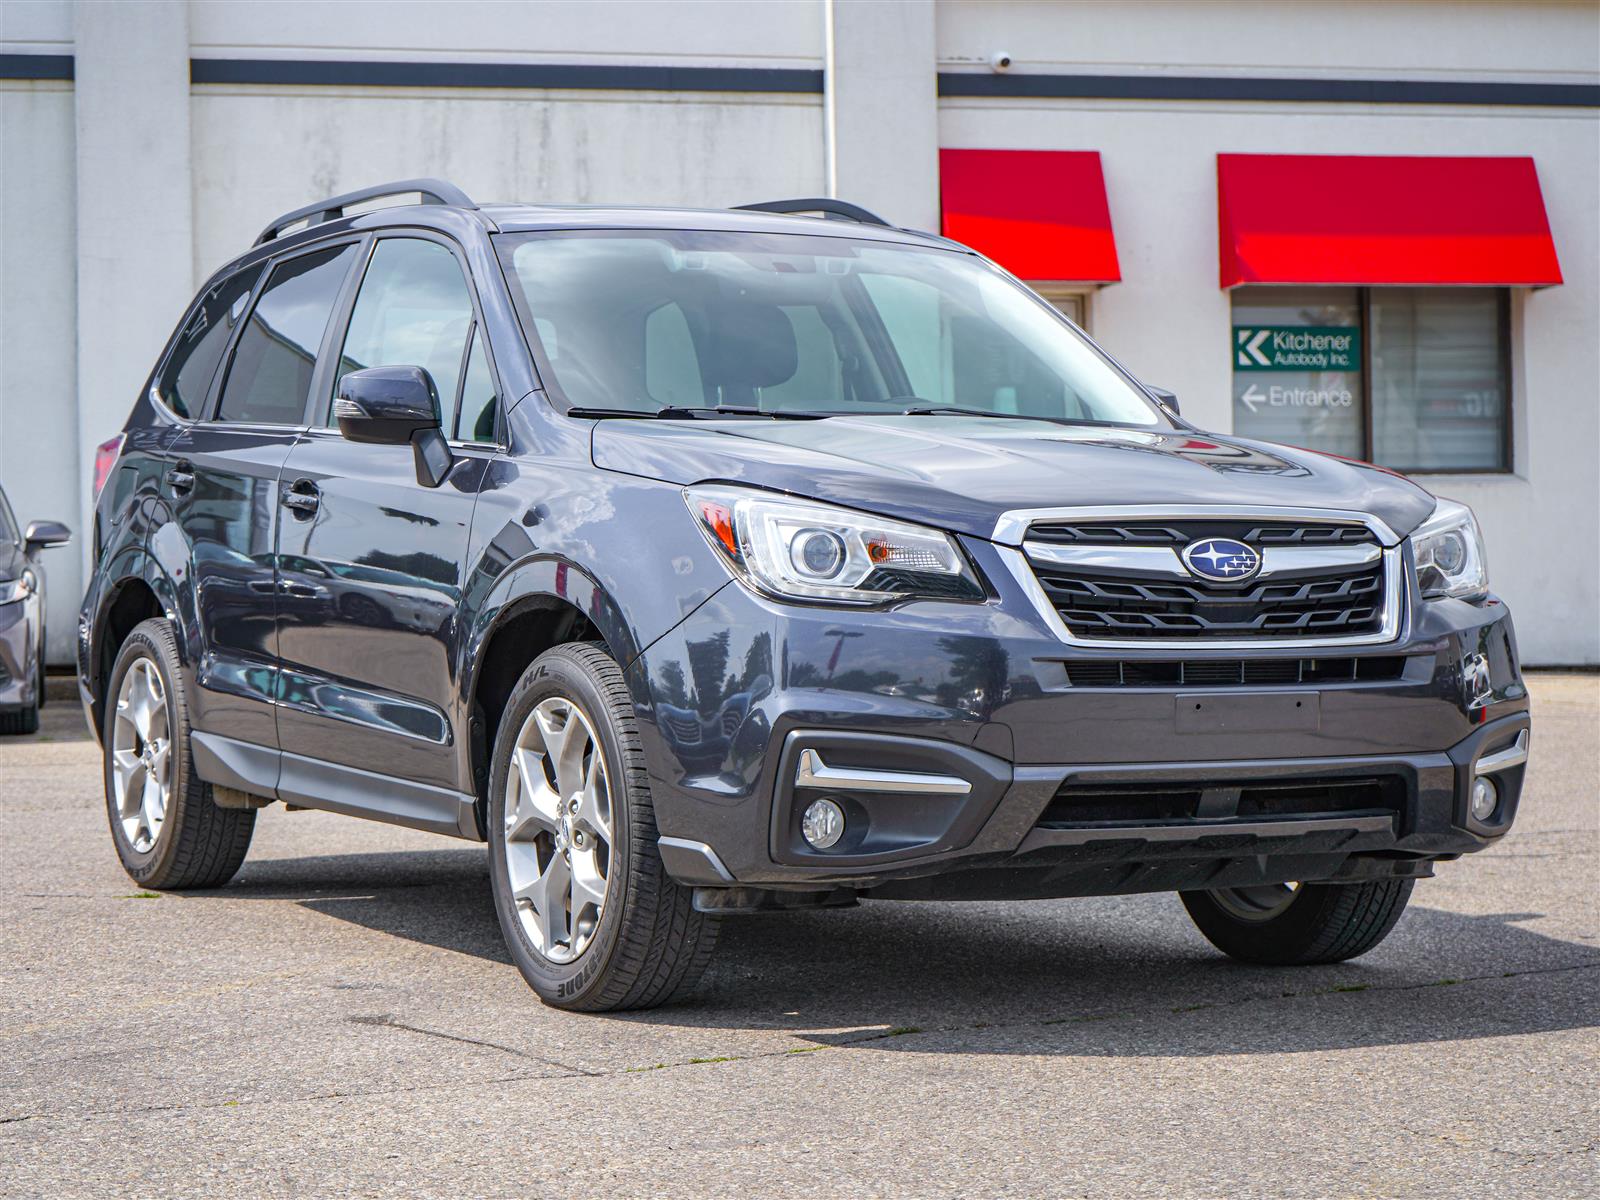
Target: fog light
pixel 823 824
pixel 1485 798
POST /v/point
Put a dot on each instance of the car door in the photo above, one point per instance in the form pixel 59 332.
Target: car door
pixel 371 559
pixel 221 480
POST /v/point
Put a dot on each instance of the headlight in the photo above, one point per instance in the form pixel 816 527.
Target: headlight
pixel 12 590
pixel 801 550
pixel 1449 552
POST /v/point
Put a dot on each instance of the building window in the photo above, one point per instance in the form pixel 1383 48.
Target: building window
pixel 1417 379
pixel 1070 300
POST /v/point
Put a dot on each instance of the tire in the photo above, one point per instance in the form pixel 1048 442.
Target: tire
pixel 192 843
pixel 641 943
pixel 20 721
pixel 1317 923
pixel 26 720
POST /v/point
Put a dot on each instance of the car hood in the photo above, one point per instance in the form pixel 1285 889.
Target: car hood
pixel 961 473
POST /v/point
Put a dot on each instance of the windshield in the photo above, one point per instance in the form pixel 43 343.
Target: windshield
pixel 642 320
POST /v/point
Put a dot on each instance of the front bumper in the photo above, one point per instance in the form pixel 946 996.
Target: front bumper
pixel 19 668
pixel 1069 789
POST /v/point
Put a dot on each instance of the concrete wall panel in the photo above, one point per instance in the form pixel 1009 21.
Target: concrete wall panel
pixel 259 152
pixel 38 340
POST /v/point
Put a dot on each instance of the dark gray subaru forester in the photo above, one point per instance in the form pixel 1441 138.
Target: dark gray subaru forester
pixel 710 562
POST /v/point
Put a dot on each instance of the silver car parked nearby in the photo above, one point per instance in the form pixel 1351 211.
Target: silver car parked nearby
pixel 22 618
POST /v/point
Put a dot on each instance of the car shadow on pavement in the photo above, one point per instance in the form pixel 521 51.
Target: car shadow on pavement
pixel 1077 977
pixel 437 897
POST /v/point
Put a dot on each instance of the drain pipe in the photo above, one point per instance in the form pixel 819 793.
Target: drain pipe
pixel 830 127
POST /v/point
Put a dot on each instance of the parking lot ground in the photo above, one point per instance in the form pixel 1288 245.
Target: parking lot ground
pixel 342 1019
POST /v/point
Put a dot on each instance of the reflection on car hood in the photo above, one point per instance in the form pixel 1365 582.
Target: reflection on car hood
pixel 961 473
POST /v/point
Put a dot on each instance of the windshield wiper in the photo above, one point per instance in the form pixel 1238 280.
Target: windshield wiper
pixel 954 410
pixel 935 410
pixel 677 412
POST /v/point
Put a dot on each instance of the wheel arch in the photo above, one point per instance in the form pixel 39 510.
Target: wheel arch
pixel 536 605
pixel 140 590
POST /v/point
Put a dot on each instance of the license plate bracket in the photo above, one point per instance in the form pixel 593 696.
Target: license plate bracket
pixel 1248 712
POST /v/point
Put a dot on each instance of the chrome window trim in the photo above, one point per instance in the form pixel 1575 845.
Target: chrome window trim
pixel 1012 527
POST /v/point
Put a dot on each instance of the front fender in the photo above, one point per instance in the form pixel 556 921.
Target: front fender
pixel 543 581
pixel 551 529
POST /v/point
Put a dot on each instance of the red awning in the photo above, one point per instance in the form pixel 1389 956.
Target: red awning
pixel 1291 218
pixel 1040 214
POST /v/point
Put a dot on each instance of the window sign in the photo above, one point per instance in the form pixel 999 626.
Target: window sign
pixel 1297 348
pixel 1420 384
pixel 1297 375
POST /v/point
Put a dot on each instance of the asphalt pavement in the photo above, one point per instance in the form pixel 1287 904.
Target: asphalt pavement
pixel 343 1020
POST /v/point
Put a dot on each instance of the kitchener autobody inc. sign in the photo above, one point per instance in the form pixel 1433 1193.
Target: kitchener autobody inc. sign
pixel 1296 348
pixel 1318 368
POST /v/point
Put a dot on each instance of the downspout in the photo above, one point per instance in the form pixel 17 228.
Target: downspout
pixel 830 127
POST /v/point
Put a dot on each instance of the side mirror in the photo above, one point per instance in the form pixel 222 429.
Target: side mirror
pixel 1163 397
pixel 396 406
pixel 42 535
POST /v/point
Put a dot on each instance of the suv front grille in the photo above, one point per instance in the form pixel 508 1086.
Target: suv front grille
pixel 1150 596
pixel 1181 533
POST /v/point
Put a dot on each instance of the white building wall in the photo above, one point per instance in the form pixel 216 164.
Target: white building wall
pixel 882 133
pixel 38 367
pixel 1527 40
pixel 134 234
pixel 772 33
pixel 260 151
pixel 251 151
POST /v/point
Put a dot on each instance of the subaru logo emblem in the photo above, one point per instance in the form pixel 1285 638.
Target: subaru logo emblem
pixel 1222 560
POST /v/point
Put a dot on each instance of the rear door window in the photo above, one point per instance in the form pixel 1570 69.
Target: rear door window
pixel 269 380
pixel 186 376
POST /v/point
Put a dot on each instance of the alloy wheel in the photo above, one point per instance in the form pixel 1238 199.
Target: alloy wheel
pixel 141 755
pixel 558 829
pixel 1261 903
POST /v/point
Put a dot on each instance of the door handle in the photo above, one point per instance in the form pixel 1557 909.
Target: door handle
pixel 180 478
pixel 302 497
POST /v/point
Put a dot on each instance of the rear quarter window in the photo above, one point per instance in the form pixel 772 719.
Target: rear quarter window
pixel 269 380
pixel 186 376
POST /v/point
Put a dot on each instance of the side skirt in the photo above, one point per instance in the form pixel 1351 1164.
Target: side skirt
pixel 315 783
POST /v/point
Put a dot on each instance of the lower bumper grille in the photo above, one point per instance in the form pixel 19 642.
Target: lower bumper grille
pixel 1234 672
pixel 1075 806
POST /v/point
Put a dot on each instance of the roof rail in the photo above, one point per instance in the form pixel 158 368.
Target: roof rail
pixel 836 209
pixel 433 191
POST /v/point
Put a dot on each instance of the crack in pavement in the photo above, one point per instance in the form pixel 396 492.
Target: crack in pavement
pixel 570 1072
pixel 387 1021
